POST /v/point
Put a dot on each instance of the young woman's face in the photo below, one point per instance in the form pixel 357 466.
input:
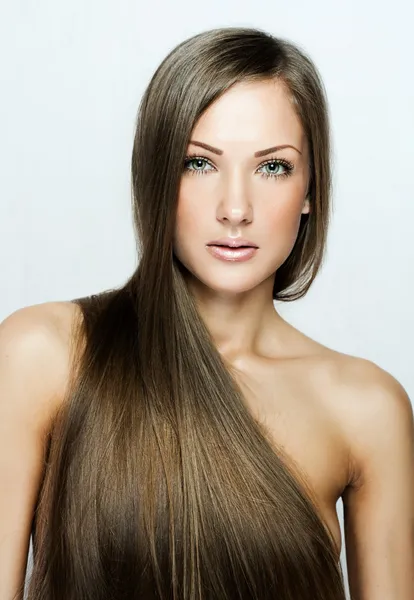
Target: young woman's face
pixel 234 193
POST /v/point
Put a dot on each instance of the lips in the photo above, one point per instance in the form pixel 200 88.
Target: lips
pixel 235 254
pixel 233 243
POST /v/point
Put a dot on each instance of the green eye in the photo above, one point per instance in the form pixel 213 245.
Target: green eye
pixel 286 165
pixel 193 159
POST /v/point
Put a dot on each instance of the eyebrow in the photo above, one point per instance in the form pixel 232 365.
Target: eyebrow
pixel 258 153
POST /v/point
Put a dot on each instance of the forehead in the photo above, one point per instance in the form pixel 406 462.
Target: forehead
pixel 252 113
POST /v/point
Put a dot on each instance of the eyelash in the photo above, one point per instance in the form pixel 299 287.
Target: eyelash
pixel 279 161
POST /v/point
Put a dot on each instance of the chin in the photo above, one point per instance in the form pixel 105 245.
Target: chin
pixel 223 278
pixel 239 283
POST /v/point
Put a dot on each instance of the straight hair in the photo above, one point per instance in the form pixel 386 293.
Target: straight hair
pixel 159 483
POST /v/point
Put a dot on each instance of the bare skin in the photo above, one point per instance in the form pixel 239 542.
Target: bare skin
pixel 293 395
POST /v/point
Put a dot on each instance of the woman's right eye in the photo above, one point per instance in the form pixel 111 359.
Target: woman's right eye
pixel 191 160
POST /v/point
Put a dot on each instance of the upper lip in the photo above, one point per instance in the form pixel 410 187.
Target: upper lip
pixel 232 242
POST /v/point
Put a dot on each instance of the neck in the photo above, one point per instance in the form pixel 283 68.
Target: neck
pixel 243 323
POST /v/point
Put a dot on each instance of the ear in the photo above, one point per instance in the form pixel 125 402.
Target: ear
pixel 306 205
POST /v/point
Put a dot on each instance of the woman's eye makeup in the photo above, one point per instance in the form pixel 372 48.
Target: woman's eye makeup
pixel 280 167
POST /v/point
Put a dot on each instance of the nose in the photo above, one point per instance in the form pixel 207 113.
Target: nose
pixel 235 207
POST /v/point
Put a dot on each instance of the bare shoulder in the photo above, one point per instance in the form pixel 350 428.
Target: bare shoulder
pixel 378 408
pixel 35 349
pixel 35 359
pixel 362 387
pixel 367 401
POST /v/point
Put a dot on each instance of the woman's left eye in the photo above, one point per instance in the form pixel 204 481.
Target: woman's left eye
pixel 286 165
pixel 282 167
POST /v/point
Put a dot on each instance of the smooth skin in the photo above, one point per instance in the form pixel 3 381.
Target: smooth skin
pixel 345 421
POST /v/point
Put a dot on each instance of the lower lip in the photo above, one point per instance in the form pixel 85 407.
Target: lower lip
pixel 231 254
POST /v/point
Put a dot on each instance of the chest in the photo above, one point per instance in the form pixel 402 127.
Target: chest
pixel 304 425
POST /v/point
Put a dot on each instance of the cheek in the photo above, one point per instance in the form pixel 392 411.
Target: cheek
pixel 194 208
pixel 188 223
pixel 281 231
pixel 188 216
pixel 283 221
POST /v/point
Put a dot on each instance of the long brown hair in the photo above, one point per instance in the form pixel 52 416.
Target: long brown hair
pixel 159 483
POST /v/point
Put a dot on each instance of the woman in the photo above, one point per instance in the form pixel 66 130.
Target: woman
pixel 181 439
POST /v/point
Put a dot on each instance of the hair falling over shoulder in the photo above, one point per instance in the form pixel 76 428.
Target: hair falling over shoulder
pixel 159 484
